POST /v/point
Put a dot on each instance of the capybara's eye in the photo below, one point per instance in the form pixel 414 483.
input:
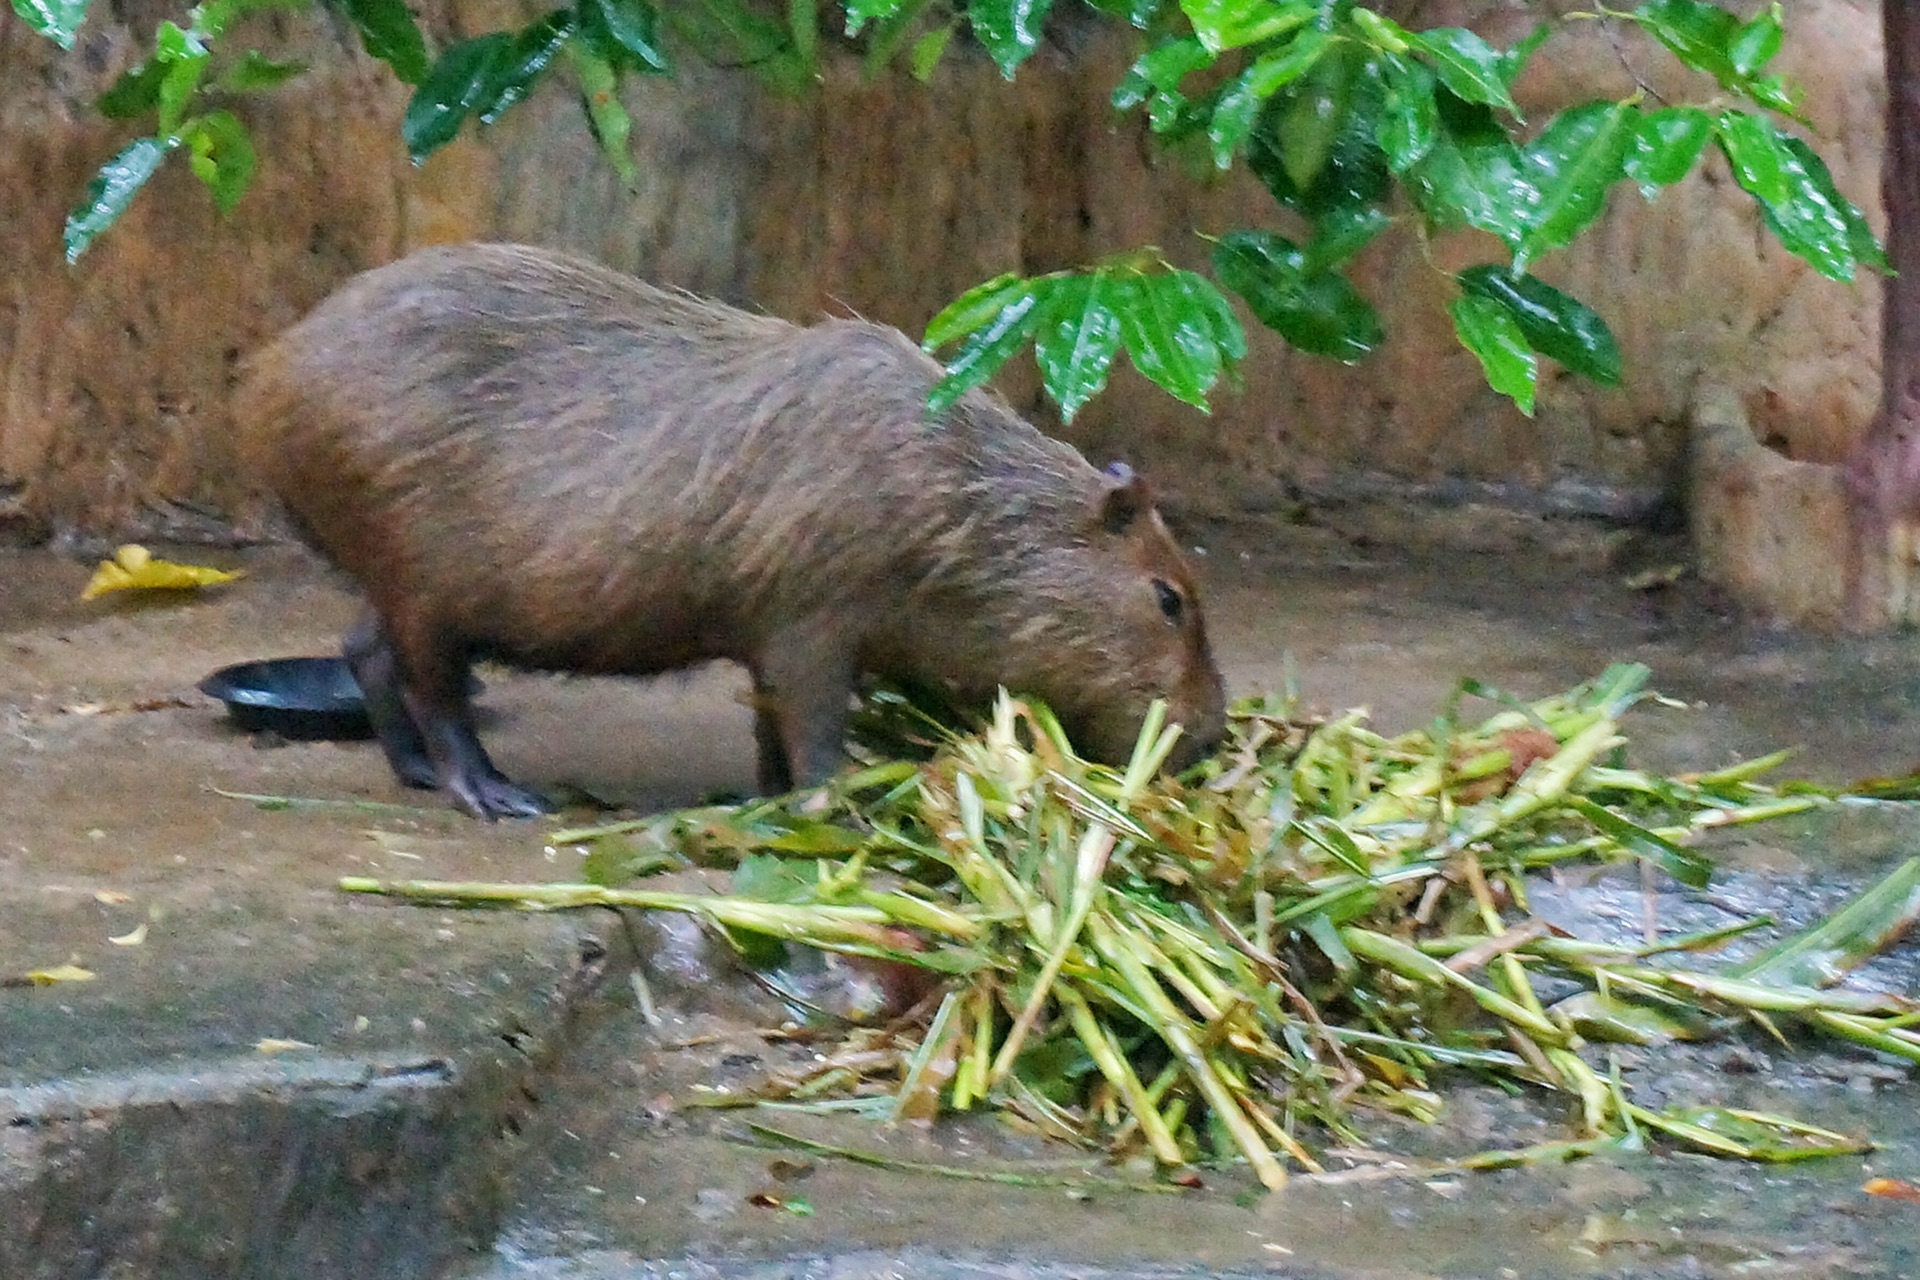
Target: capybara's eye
pixel 1171 602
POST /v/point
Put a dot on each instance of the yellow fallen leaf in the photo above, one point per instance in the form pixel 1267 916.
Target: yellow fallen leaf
pixel 133 939
pixel 111 897
pixel 134 566
pixel 1892 1189
pixel 59 973
pixel 281 1046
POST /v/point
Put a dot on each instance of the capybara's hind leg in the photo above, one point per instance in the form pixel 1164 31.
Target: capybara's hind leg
pixel 772 772
pixel 370 655
pixel 803 688
pixel 432 679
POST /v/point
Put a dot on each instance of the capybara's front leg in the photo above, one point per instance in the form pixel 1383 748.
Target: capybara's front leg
pixel 376 668
pixel 431 678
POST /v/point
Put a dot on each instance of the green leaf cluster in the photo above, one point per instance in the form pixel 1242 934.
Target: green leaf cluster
pixel 185 89
pixel 1174 325
pixel 1353 122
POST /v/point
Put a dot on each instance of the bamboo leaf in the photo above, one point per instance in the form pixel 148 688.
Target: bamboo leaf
pixel 1827 951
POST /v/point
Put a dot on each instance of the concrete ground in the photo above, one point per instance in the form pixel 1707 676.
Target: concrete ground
pixel 265 1077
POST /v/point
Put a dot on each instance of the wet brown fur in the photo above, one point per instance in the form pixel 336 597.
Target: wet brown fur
pixel 525 456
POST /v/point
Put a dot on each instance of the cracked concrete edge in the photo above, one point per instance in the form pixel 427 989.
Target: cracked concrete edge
pixel 313 1168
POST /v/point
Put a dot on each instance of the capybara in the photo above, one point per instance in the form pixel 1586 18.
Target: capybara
pixel 525 457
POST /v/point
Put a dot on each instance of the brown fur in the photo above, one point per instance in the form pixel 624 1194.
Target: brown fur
pixel 525 456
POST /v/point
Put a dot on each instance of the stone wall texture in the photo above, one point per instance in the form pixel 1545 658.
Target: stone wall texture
pixel 885 198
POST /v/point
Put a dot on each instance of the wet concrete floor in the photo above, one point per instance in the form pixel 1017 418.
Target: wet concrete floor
pixel 585 1150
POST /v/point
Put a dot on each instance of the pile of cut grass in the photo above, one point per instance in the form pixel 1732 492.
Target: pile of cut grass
pixel 1228 964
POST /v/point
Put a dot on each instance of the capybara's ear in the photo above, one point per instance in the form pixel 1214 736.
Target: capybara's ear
pixel 1123 498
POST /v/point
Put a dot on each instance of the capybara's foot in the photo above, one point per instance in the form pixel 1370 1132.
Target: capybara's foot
pixel 414 770
pixel 491 796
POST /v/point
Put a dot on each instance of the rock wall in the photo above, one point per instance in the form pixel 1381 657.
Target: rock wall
pixel 116 371
pixel 886 198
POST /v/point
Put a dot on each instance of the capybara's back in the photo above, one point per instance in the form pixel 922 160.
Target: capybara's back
pixel 524 456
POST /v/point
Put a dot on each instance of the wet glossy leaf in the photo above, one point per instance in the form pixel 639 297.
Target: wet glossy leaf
pixel 1756 44
pixel 1273 71
pixel 1666 146
pixel 1161 67
pixel 974 308
pixel 1573 164
pixel 57 20
pixel 1473 69
pixel 1409 117
pixel 111 191
pixel 1010 29
pixel 606 115
pixel 1170 340
pixel 1353 172
pixel 1860 238
pixel 389 33
pixel 1792 202
pixel 1231 24
pixel 1489 331
pixel 986 348
pixel 623 33
pixel 1342 232
pixel 861 12
pixel 1514 60
pixel 730 32
pixel 450 92
pixel 524 61
pixel 1320 312
pixel 1473 175
pixel 1139 14
pixel 1212 307
pixel 221 156
pixel 135 93
pixel 1698 34
pixel 133 567
pixel 1311 120
pixel 255 71
pixel 1775 92
pixel 1077 339
pixel 1237 107
pixel 1382 32
pixel 1555 324
pixel 185 58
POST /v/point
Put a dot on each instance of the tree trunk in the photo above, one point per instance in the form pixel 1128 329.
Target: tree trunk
pixel 1883 474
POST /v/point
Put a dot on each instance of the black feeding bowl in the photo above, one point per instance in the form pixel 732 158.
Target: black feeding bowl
pixel 293 697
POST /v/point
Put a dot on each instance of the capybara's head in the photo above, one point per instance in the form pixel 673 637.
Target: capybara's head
pixel 1113 622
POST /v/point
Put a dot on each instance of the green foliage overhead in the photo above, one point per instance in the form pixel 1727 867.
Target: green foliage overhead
pixel 1354 123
